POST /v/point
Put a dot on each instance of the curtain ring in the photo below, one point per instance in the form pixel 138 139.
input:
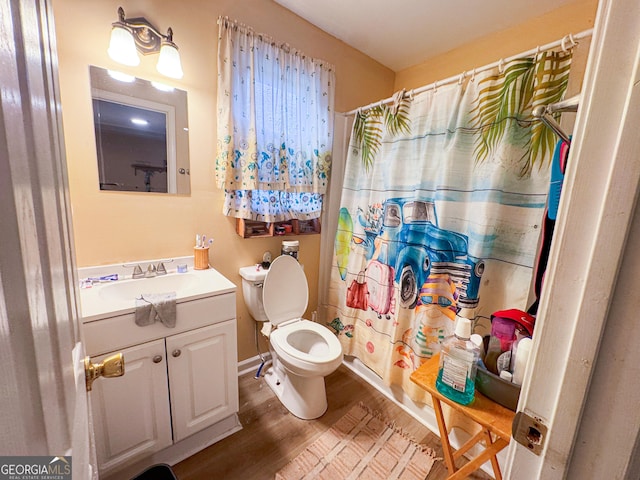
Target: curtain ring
pixel 461 78
pixel 411 95
pixel 563 44
pixel 435 87
pixel 473 75
pixel 501 66
pixel 537 52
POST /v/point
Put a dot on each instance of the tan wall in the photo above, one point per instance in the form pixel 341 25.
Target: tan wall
pixel 114 227
pixel 572 18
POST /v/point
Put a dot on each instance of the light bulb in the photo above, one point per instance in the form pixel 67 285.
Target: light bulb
pixel 169 61
pixel 122 47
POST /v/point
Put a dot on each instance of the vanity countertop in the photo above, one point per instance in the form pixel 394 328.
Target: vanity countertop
pixel 111 299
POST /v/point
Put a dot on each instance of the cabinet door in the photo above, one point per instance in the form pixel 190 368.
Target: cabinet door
pixel 203 377
pixel 131 413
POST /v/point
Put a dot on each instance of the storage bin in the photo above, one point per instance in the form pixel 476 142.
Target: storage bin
pixel 497 389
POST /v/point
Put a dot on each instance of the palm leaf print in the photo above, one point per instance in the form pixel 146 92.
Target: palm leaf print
pixel 504 105
pixel 552 76
pixel 368 127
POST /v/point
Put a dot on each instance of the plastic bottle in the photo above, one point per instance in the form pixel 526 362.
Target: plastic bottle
pixel 458 360
pixel 503 334
pixel 522 359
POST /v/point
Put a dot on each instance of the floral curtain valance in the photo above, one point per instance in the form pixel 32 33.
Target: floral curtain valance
pixel 275 127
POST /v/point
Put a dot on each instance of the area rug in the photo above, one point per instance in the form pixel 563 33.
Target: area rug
pixel 361 445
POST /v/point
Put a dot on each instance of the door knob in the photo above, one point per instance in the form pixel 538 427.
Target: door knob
pixel 176 352
pixel 110 367
pixel 157 359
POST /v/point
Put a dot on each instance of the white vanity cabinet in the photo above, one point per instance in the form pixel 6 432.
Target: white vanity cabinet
pixel 202 378
pixel 179 392
pixel 131 413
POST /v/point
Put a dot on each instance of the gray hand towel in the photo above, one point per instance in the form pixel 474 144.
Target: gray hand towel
pixel 151 307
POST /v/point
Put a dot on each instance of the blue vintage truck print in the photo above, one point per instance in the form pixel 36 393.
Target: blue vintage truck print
pixel 407 239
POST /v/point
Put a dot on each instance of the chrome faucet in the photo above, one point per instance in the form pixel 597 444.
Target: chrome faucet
pixel 151 271
pixel 137 272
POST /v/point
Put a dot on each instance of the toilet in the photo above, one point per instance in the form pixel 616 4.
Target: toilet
pixel 302 352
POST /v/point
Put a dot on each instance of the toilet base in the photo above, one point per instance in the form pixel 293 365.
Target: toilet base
pixel 304 397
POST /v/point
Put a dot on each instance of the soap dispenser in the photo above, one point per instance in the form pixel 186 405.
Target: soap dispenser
pixel 458 362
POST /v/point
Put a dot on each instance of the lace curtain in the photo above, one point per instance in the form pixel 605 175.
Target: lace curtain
pixel 275 127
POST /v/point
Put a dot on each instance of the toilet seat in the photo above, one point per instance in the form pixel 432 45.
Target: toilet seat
pixel 304 348
pixel 285 291
pixel 301 343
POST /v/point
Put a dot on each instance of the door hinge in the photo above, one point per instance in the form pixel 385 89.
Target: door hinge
pixel 529 431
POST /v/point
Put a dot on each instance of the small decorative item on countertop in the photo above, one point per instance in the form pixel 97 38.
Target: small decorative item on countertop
pixel 201 252
pixel 200 258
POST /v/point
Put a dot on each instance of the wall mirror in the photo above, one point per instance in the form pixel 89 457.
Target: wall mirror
pixel 142 134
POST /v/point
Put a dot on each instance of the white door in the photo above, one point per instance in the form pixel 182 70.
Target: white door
pixel 41 351
pixel 131 413
pixel 588 253
pixel 203 377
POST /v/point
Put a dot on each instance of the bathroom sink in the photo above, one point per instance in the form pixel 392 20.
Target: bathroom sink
pixel 181 283
pixel 104 300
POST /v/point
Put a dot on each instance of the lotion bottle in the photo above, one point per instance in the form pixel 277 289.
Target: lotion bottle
pixel 522 359
pixel 458 361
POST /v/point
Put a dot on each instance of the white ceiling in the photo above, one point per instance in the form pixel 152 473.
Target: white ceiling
pixel 402 33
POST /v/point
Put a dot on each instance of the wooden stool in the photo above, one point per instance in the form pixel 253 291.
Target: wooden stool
pixel 493 418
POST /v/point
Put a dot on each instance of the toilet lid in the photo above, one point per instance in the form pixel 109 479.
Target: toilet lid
pixel 285 291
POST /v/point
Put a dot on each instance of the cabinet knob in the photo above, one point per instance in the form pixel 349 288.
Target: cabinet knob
pixel 176 352
pixel 157 359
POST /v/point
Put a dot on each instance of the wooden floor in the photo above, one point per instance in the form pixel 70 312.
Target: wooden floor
pixel 271 436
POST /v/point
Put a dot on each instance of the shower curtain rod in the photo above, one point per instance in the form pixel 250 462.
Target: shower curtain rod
pixel 544 112
pixel 459 78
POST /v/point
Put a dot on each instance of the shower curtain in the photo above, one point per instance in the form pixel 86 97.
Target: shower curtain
pixel 441 207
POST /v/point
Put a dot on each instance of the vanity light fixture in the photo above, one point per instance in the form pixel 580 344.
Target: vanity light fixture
pixel 129 35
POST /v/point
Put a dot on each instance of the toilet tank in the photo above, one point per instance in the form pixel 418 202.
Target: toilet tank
pixel 252 279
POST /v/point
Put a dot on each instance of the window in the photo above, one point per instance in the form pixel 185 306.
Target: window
pixel 275 127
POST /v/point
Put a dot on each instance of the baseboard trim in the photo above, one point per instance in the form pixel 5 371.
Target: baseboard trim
pixel 252 364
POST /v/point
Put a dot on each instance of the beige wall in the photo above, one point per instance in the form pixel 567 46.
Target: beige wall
pixel 572 18
pixel 113 227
